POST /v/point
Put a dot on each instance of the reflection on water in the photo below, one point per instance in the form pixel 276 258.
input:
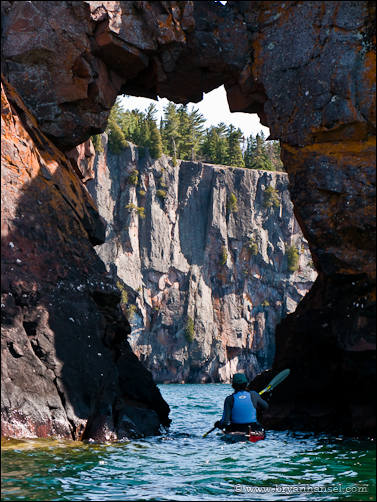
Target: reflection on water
pixel 181 465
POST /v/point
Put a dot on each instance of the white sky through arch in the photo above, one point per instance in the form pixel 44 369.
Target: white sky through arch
pixel 214 107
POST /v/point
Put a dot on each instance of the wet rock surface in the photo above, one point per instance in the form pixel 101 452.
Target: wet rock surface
pixel 306 68
pixel 189 256
pixel 65 357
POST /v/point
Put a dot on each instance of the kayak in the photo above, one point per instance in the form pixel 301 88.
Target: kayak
pixel 252 436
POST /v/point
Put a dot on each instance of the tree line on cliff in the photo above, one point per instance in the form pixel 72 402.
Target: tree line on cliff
pixel 181 135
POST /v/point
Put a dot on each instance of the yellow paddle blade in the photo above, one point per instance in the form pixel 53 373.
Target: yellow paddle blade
pixel 265 390
pixel 276 380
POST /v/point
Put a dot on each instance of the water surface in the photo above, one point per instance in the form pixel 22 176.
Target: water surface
pixel 181 465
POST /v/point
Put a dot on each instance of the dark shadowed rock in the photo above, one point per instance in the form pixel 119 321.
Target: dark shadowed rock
pixel 64 338
pixel 308 70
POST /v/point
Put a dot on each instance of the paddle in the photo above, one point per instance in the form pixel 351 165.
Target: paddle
pixel 274 382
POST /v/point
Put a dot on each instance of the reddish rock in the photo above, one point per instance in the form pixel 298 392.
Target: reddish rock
pixel 174 49
pixel 64 348
pixel 312 81
pixel 307 69
pixel 82 159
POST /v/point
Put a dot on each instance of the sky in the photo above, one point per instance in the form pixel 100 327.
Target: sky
pixel 214 107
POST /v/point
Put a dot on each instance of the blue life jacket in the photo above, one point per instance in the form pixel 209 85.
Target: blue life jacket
pixel 243 411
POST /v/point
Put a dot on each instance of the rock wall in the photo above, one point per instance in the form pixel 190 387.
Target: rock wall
pixel 67 369
pixel 188 255
pixel 308 69
pixel 173 49
pixel 312 81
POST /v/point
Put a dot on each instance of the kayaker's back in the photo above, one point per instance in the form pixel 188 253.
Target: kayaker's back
pixel 243 410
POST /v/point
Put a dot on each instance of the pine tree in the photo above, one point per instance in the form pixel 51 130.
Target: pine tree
pixel 214 147
pixel 195 132
pixel 182 143
pixel 235 157
pixel 151 137
pixel 257 153
pixel 117 140
pixel 222 144
pixel 170 129
pixel 155 142
pixel 208 149
pixel 273 153
pixel 249 154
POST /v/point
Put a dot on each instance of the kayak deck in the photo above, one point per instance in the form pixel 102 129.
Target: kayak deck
pixel 252 436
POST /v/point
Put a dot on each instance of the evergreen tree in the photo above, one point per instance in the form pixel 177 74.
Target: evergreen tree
pixel 152 136
pixel 195 131
pixel 117 140
pixel 222 145
pixel 249 154
pixel 181 134
pixel 209 145
pixel 183 146
pixel 155 142
pixel 257 153
pixel 235 157
pixel 170 131
pixel 273 153
pixel 150 115
pixel 214 148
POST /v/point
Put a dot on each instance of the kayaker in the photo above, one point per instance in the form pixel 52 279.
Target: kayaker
pixel 240 408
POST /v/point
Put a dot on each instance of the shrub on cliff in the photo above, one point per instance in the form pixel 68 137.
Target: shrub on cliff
pixel 140 210
pixel 311 264
pixel 97 143
pixel 161 194
pixel 293 257
pixel 130 312
pixel 123 292
pixel 224 255
pixel 189 329
pixel 232 203
pixel 133 178
pixel 253 246
pixel 271 197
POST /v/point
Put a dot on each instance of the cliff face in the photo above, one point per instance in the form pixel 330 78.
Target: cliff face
pixel 312 81
pixel 308 70
pixel 67 369
pixel 190 256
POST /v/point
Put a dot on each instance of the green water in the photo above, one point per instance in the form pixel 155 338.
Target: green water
pixel 181 465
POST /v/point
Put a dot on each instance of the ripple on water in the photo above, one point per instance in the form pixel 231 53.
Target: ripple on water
pixel 182 465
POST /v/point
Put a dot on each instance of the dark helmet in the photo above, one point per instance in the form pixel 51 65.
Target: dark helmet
pixel 239 379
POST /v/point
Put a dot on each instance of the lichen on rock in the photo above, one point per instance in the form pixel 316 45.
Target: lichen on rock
pixel 64 345
pixel 308 70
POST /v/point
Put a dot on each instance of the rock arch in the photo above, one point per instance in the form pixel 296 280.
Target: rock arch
pixel 308 70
